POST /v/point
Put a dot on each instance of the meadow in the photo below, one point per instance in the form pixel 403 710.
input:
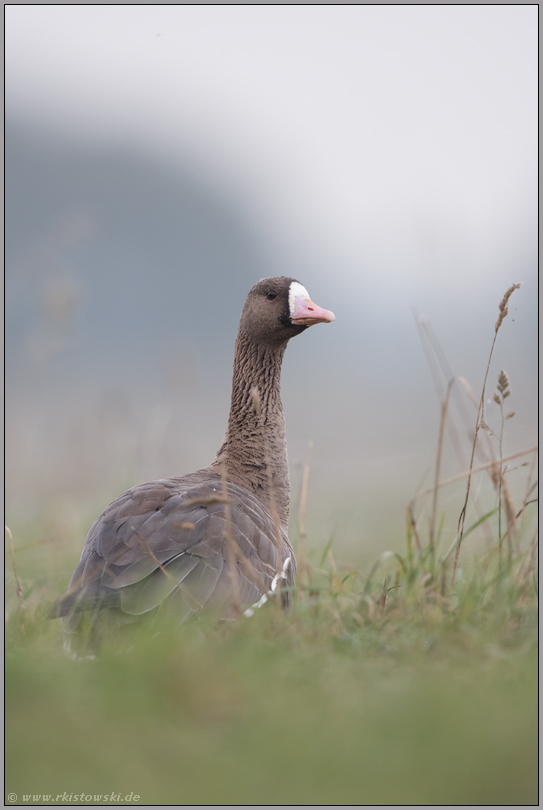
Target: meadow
pixel 410 679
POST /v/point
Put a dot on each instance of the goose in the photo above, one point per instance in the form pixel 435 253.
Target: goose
pixel 216 538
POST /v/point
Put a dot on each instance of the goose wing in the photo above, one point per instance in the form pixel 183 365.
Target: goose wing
pixel 175 543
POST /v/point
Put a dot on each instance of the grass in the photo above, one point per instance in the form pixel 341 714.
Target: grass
pixel 411 681
pixel 349 699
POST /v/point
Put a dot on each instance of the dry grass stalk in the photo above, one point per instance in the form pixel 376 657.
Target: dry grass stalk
pixel 530 567
pixel 509 515
pixel 494 463
pixel 149 551
pixel 444 407
pixel 230 544
pixel 207 501
pixel 484 467
pixel 413 523
pixel 432 351
pixel 303 567
pixel 18 587
pixel 371 607
pixel 503 307
pixel 441 372
pixel 383 597
pixel 527 500
pixel 529 486
pixel 503 390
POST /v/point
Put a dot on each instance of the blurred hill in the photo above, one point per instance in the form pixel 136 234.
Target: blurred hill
pixel 105 248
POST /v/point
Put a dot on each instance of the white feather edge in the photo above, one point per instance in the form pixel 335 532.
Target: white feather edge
pixel 264 598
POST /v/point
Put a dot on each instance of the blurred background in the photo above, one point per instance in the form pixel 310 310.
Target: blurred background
pixel 162 159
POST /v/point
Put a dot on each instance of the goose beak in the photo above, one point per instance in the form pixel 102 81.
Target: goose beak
pixel 306 313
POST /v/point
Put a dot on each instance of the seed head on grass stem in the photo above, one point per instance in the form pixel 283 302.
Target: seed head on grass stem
pixel 503 390
pixel 504 307
pixel 503 385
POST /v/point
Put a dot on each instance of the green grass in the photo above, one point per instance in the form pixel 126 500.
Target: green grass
pixel 425 699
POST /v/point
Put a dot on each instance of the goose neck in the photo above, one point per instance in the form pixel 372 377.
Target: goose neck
pixel 254 451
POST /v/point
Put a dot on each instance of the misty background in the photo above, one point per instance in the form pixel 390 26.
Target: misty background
pixel 162 159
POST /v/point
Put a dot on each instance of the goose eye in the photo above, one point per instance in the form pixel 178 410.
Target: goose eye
pixel 271 295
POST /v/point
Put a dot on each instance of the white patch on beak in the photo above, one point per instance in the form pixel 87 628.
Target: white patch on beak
pixel 296 290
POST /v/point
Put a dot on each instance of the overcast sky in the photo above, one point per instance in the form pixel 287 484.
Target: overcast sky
pixel 397 142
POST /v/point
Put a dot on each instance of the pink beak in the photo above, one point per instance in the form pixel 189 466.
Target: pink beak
pixel 306 313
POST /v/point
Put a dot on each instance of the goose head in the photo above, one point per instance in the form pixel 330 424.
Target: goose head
pixel 277 309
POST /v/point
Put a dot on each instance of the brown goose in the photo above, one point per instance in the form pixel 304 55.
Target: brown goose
pixel 217 537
